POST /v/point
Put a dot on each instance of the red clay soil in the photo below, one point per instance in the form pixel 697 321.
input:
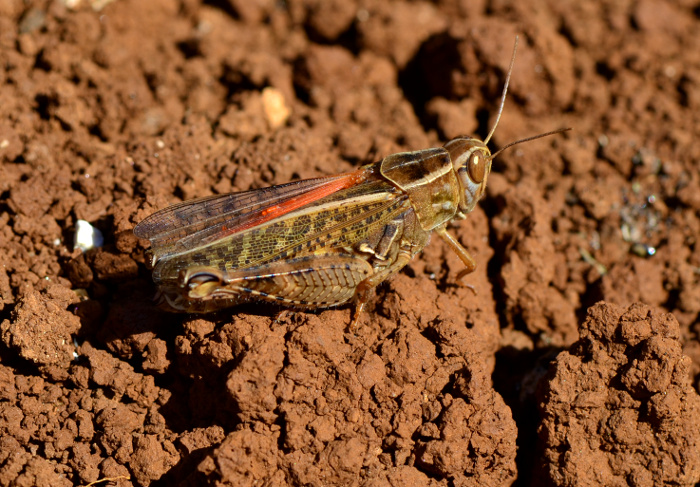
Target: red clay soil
pixel 112 110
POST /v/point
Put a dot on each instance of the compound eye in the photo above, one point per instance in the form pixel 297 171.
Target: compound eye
pixel 476 166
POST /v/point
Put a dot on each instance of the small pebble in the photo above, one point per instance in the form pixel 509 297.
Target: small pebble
pixel 87 236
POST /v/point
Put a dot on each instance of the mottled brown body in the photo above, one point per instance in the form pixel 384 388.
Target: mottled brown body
pixel 219 251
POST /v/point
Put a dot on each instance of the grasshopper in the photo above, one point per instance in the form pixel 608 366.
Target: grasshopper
pixel 319 242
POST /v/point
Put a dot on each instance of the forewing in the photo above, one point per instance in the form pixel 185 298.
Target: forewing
pixel 192 224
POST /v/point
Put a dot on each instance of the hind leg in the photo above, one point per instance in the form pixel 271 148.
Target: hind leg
pixel 313 281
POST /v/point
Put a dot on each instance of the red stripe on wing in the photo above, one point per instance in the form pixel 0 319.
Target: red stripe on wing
pixel 287 206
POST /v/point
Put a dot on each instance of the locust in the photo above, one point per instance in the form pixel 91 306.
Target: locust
pixel 321 242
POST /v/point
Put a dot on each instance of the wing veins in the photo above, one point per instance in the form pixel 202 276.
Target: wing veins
pixel 168 236
pixel 178 219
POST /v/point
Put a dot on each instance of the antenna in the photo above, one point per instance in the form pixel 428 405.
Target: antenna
pixel 500 111
pixel 505 91
pixel 528 139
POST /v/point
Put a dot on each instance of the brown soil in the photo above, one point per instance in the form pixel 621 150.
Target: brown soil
pixel 111 110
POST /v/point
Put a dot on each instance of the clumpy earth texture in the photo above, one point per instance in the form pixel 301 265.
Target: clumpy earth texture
pixel 575 361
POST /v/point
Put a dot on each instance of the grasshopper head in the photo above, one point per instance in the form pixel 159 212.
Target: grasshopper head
pixel 471 160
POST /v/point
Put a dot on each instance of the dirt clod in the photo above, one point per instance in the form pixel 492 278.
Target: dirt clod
pixel 622 389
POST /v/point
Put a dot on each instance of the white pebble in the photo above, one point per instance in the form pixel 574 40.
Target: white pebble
pixel 87 236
